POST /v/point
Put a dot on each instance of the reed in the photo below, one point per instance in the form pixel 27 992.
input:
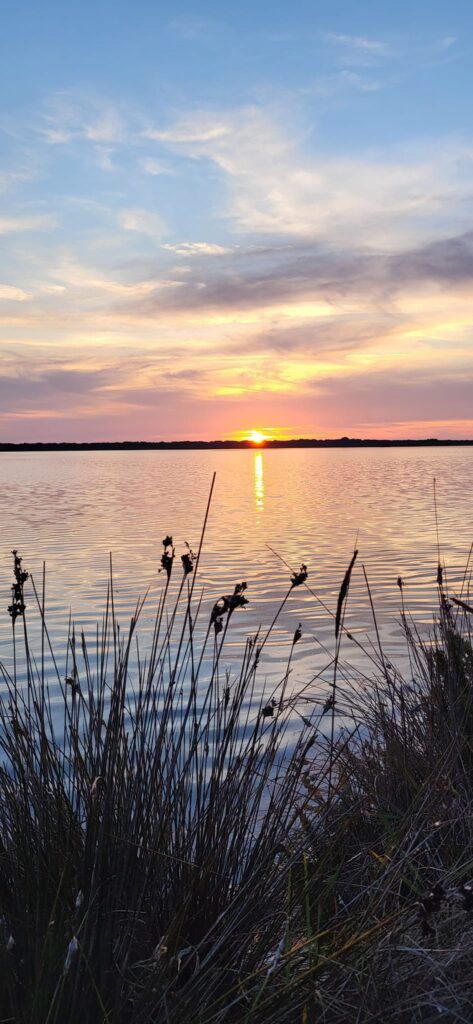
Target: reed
pixel 170 851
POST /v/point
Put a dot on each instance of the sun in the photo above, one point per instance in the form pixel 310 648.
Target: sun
pixel 260 436
pixel 257 437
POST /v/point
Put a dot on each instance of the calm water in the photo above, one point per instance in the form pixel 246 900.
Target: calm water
pixel 72 509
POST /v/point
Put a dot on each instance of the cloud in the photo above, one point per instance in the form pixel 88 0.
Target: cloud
pixel 53 289
pixel 104 158
pixel 197 249
pixel 72 114
pixel 47 388
pixel 360 51
pixel 12 294
pixel 154 167
pixel 316 281
pixel 361 43
pixel 15 225
pixel 446 261
pixel 39 401
pixel 383 199
pixel 320 339
pixel 75 277
pixel 346 279
pixel 144 222
pixel 10 179
pixel 198 130
pixel 446 43
pixel 373 399
pixel 360 82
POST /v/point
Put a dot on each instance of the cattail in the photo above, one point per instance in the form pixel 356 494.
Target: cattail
pixel 298 578
pixel 188 560
pixel 228 603
pixel 343 593
pixel 167 556
pixel 297 634
pixel 73 682
pixel 237 600
pixel 17 607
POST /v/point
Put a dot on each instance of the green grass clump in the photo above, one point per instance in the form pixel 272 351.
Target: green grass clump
pixel 169 851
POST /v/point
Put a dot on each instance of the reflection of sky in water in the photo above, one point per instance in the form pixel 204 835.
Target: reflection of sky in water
pixel 259 481
pixel 72 509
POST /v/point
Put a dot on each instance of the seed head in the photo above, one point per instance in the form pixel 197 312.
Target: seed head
pixel 229 602
pixel 17 606
pixel 268 710
pixel 167 556
pixel 73 682
pixel 297 634
pixel 298 578
pixel 188 560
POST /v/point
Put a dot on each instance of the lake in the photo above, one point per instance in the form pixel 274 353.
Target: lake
pixel 310 506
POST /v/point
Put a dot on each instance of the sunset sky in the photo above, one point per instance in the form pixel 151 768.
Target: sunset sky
pixel 217 218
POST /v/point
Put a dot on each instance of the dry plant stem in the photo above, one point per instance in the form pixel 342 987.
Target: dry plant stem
pixel 339 621
pixel 326 609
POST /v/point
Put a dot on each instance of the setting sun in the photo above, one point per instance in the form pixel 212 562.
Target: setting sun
pixel 260 435
pixel 257 437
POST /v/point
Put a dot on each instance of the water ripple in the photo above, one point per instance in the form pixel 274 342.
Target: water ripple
pixel 311 506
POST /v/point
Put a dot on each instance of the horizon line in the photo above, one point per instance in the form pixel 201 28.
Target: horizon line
pixel 186 445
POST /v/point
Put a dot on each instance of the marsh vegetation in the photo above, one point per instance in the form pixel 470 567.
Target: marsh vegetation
pixel 172 850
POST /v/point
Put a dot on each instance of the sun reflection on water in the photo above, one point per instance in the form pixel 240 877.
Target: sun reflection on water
pixel 259 481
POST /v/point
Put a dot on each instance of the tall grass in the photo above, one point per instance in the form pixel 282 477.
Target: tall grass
pixel 171 851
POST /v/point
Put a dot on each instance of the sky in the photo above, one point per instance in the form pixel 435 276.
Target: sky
pixel 223 218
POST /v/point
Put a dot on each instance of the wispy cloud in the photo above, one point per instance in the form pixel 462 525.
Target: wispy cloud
pixel 274 187
pixel 104 158
pixel 197 248
pixel 142 221
pixel 361 82
pixel 359 51
pixel 361 44
pixel 22 224
pixel 446 42
pixel 10 293
pixel 71 114
pixel 74 277
pixel 154 167
pixel 10 179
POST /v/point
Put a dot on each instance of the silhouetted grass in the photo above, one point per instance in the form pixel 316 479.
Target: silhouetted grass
pixel 169 851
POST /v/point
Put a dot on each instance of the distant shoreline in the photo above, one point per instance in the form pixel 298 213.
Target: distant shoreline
pixel 342 442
